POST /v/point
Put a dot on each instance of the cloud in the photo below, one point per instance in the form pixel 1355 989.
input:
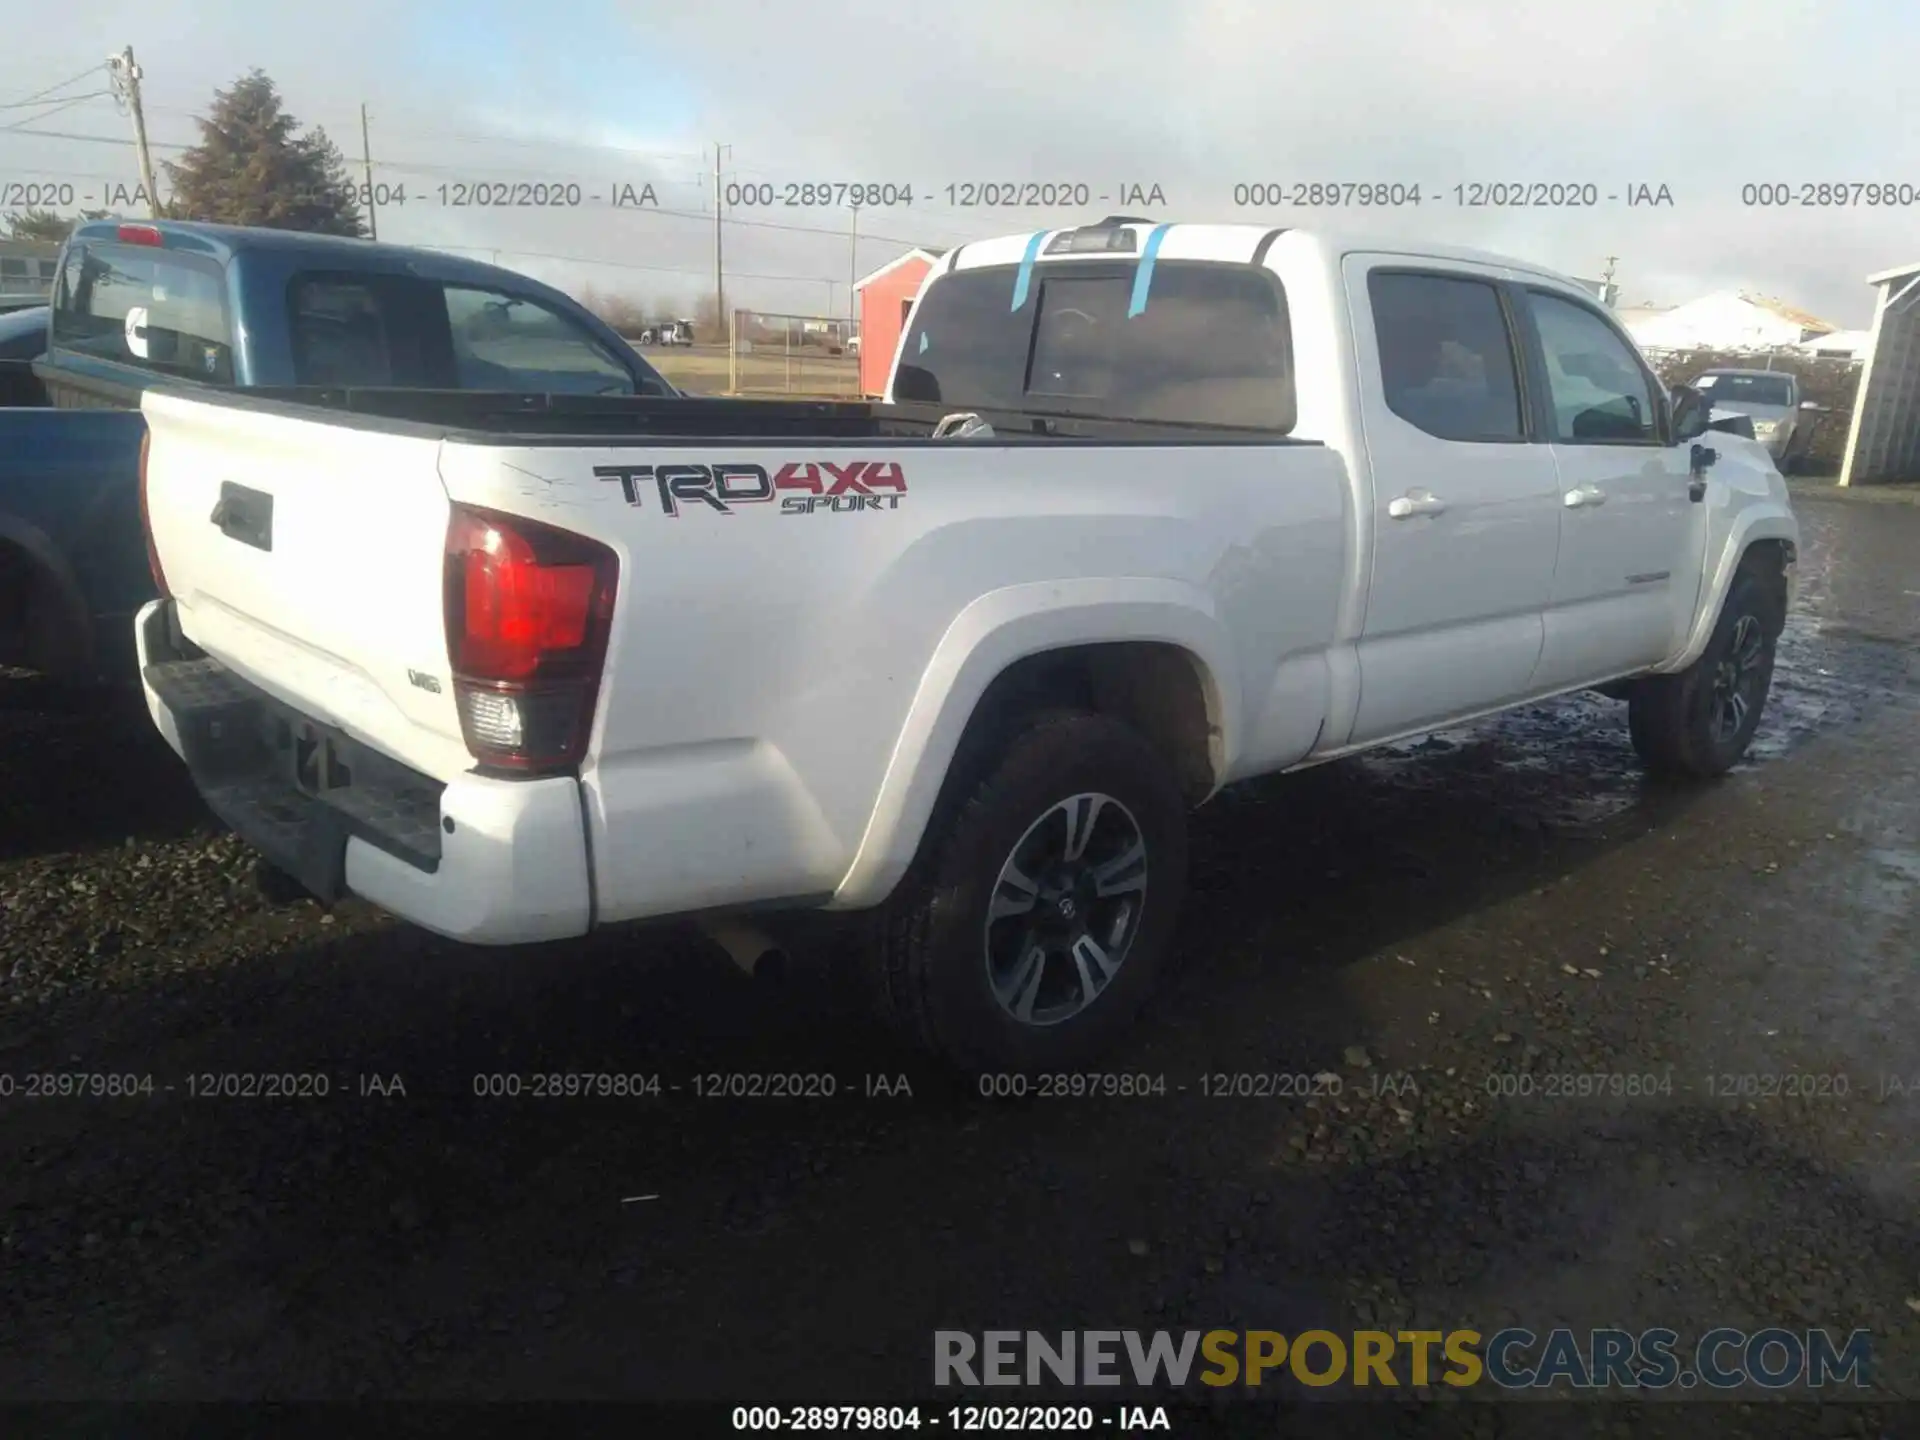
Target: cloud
pixel 1195 97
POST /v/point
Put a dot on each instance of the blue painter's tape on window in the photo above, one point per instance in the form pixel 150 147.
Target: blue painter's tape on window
pixel 1143 274
pixel 1021 281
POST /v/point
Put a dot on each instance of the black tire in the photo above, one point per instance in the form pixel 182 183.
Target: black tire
pixel 1678 722
pixel 934 958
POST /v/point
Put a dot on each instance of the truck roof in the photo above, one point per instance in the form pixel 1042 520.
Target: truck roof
pixel 1236 243
pixel 223 242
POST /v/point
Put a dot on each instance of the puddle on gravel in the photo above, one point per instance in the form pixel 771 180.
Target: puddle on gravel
pixel 1887 882
pixel 1569 761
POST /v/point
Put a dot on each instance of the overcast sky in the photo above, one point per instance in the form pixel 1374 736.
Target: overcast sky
pixel 1196 97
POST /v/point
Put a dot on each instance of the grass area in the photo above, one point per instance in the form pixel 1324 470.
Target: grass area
pixel 703 369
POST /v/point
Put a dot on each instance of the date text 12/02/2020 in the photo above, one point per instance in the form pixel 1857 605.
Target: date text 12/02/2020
pixel 960 195
pixel 1470 195
pixel 549 194
pixel 561 193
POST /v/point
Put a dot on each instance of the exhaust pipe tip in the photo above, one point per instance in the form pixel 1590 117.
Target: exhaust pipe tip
pixel 752 949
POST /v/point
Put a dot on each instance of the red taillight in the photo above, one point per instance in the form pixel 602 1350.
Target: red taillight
pixel 138 235
pixel 146 520
pixel 528 609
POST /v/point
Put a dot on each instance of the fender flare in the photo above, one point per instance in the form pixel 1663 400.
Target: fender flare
pixel 53 575
pixel 1757 523
pixel 992 633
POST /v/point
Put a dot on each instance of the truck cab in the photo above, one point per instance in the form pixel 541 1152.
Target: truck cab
pixel 226 305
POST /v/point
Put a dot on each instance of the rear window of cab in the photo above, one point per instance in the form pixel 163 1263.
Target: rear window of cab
pixel 146 306
pixel 1210 345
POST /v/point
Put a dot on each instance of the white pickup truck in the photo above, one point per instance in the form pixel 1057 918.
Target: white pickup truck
pixel 1231 501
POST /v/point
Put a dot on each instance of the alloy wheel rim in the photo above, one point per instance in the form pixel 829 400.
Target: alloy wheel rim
pixel 1066 909
pixel 1736 678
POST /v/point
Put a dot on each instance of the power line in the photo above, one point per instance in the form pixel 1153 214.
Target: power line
pixel 427 168
pixel 705 216
pixel 468 138
pixel 42 100
pixel 41 94
pixel 92 139
pixel 623 264
pixel 63 105
pixel 431 167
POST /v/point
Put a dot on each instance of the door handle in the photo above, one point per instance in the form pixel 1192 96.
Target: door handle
pixel 1582 495
pixel 1415 502
pixel 244 515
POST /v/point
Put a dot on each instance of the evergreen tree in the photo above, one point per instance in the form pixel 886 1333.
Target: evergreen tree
pixel 252 167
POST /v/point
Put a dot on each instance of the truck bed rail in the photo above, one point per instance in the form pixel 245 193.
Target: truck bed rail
pixel 556 418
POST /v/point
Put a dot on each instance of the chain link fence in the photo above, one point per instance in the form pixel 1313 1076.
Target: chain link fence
pixel 773 353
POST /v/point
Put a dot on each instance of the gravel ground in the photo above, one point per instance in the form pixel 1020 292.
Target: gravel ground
pixel 1430 923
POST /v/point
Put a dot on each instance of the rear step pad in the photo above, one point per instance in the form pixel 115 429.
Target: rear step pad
pixel 290 786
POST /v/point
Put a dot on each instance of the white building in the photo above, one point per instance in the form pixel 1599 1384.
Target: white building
pixel 1633 316
pixel 27 267
pixel 1884 441
pixel 1840 345
pixel 1726 320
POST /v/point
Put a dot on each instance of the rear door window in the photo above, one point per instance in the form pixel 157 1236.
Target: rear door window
pixel 341 332
pixel 146 306
pixel 1447 361
pixel 1211 345
pixel 378 330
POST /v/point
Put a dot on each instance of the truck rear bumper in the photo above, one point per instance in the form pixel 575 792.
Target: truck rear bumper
pixel 490 862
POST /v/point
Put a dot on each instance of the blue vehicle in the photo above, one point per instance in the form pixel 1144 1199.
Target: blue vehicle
pixel 174 303
pixel 23 333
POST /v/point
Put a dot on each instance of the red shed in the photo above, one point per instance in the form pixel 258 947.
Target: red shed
pixel 885 297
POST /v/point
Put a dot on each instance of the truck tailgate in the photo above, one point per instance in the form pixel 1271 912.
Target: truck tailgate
pixel 307 557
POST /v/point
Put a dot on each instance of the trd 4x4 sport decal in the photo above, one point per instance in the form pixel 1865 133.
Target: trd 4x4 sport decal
pixel 803 487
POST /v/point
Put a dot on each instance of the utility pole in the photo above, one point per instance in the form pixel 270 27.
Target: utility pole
pixel 853 270
pixel 126 87
pixel 366 161
pixel 721 318
pixel 1607 292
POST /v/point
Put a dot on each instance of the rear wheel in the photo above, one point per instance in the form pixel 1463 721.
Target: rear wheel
pixel 1698 722
pixel 1038 916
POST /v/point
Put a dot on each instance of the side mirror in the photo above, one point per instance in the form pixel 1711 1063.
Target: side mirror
pixel 1814 405
pixel 1692 413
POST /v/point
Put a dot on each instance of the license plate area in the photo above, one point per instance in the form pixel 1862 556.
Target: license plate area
pixel 291 786
pixel 310 756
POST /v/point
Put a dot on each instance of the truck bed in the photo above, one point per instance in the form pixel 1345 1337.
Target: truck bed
pixel 762 667
pixel 557 419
